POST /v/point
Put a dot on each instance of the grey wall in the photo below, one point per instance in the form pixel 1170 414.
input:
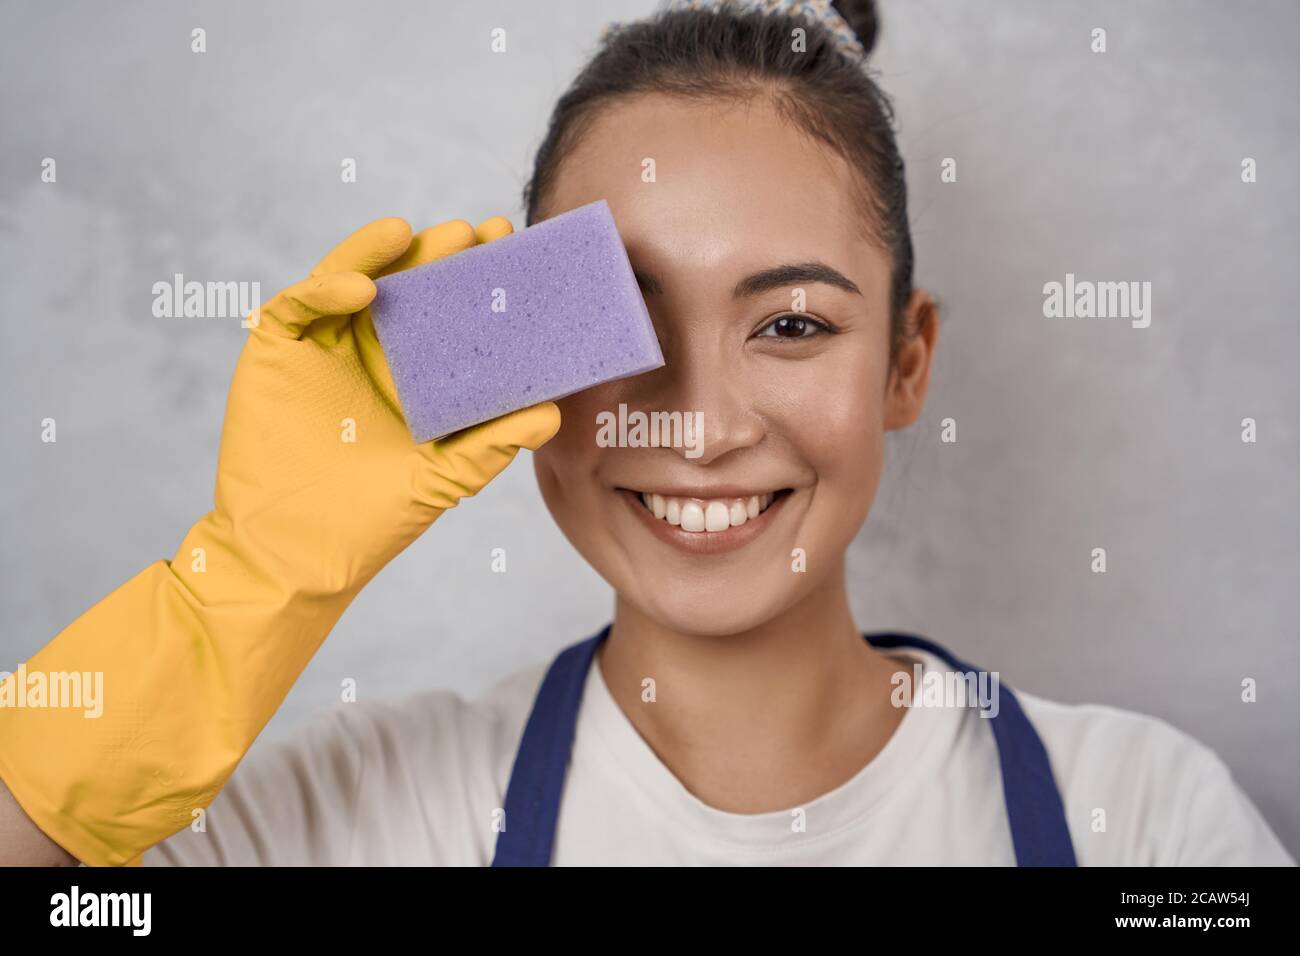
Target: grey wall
pixel 1071 435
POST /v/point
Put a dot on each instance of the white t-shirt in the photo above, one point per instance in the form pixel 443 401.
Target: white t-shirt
pixel 421 781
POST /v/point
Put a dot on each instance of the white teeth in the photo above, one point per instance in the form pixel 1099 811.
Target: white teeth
pixel 692 516
pixel 716 517
pixel 706 515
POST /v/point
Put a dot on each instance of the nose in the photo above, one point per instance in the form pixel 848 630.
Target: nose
pixel 707 385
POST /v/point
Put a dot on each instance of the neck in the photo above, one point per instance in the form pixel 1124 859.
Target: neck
pixel 763 719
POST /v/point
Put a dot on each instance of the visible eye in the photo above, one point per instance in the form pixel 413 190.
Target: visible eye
pixel 794 325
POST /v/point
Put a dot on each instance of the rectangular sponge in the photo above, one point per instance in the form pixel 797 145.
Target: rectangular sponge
pixel 532 316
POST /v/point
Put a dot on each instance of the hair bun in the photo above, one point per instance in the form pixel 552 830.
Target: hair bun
pixel 862 19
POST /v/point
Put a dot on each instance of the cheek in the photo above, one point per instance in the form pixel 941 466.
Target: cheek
pixel 832 413
pixel 573 456
pixel 833 408
pixel 565 466
pixel 565 451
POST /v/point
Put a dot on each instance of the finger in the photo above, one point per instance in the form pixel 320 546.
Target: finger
pixel 436 242
pixel 461 464
pixel 290 312
pixel 529 428
pixel 369 249
pixel 493 228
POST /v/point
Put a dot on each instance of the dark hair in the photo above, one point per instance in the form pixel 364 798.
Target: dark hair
pixel 705 54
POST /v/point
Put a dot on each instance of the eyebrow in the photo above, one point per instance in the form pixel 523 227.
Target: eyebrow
pixel 776 277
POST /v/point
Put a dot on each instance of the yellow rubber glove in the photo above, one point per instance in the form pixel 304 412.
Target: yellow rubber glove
pixel 199 652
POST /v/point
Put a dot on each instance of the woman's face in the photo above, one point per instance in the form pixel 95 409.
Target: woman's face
pixel 742 214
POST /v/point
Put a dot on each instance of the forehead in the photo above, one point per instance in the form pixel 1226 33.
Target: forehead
pixel 735 184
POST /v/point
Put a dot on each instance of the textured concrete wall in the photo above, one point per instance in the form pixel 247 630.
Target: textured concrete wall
pixel 1072 434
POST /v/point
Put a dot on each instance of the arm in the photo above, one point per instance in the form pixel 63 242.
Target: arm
pixel 291 802
pixel 198 652
pixel 405 782
pixel 22 843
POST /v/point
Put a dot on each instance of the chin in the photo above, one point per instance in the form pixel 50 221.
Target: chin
pixel 711 608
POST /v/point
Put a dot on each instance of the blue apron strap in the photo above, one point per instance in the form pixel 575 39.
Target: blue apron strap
pixel 1038 828
pixel 1039 831
pixel 537 778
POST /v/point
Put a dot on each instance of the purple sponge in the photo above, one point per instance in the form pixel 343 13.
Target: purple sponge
pixel 533 316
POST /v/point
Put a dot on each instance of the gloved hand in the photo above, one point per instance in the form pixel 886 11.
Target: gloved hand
pixel 319 485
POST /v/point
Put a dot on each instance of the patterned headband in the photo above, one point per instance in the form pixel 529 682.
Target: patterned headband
pixel 818 11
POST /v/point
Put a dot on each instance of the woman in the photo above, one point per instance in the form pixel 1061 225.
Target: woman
pixel 731 713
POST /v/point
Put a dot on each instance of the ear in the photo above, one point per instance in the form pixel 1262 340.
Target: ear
pixel 909 379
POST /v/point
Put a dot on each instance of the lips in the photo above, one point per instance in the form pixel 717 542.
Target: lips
pixel 706 515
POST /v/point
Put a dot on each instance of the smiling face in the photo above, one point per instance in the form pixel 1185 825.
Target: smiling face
pixel 795 395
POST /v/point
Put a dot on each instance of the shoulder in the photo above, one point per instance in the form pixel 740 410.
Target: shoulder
pixel 1139 791
pixel 445 729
